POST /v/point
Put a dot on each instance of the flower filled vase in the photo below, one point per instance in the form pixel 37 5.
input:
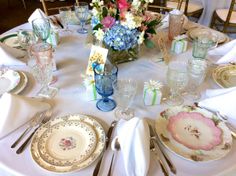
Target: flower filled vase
pixel 118 57
pixel 122 26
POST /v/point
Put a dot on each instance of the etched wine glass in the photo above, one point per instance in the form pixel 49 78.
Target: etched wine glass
pixel 82 13
pixel 104 79
pixel 65 16
pixel 41 65
pixel 177 80
pixel 124 93
pixel 41 28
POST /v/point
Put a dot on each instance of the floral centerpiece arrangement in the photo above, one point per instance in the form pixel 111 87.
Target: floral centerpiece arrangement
pixel 122 26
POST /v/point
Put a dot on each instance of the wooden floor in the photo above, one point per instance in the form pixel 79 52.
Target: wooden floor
pixel 13 13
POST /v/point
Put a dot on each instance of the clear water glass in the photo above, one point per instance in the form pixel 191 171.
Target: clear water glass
pixel 82 13
pixel 124 93
pixel 41 65
pixel 197 69
pixel 65 16
pixel 104 79
pixel 41 28
pixel 177 80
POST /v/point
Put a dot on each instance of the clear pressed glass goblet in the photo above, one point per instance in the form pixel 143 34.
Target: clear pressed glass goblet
pixel 124 93
pixel 41 28
pixel 104 80
pixel 82 13
pixel 177 80
pixel 65 16
pixel 197 69
pixel 41 65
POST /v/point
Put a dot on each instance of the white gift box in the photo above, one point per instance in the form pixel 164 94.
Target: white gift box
pixel 179 44
pixel 90 93
pixel 152 93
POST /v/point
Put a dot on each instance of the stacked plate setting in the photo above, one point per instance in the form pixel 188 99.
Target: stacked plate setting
pixel 12 81
pixel 68 143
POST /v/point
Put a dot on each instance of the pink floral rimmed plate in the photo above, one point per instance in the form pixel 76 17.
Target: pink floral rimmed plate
pixel 47 153
pixel 193 133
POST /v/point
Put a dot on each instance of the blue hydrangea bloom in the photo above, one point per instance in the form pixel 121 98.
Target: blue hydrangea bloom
pixel 121 38
pixel 94 21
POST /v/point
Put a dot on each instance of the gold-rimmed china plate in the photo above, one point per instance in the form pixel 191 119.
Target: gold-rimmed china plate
pixel 225 76
pixel 9 80
pixel 68 143
pixel 193 133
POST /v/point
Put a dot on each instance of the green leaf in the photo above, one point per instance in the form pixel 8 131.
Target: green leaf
pixel 104 11
pixel 99 25
pixel 153 23
pixel 149 43
pixel 151 31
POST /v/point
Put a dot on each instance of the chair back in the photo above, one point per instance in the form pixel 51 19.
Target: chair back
pixel 231 9
pixel 52 8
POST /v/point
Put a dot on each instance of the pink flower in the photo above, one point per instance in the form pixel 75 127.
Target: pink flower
pixel 123 5
pixel 108 22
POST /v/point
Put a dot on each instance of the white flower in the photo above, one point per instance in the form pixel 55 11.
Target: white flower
pixel 95 12
pixel 99 34
pixel 94 1
pixel 136 4
pixel 101 3
pixel 141 38
pixel 132 21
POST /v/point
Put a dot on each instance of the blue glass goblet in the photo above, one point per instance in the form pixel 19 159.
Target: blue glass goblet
pixel 104 80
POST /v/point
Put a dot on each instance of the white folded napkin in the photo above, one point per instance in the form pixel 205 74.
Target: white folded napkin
pixel 17 110
pixel 134 139
pixel 38 13
pixel 222 100
pixel 10 56
pixel 228 51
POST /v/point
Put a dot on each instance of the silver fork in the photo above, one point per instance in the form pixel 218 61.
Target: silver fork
pixel 45 119
pixel 34 121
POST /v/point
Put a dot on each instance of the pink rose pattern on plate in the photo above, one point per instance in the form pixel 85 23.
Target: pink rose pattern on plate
pixel 194 131
pixel 67 143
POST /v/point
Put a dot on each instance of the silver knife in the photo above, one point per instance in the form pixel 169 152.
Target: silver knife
pixel 155 137
pixel 108 139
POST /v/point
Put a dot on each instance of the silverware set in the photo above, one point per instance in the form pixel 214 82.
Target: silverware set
pixel 108 141
pixel 38 120
pixel 155 146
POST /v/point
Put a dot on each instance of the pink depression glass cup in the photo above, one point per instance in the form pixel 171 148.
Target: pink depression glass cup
pixel 176 20
pixel 41 64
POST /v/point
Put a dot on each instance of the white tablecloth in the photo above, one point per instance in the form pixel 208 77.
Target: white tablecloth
pixel 71 57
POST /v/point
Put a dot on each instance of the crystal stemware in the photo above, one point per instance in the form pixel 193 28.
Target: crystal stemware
pixel 104 79
pixel 124 93
pixel 82 13
pixel 65 16
pixel 41 28
pixel 41 65
pixel 177 80
pixel 196 72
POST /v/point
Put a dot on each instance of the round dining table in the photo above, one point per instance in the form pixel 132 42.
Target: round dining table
pixel 71 57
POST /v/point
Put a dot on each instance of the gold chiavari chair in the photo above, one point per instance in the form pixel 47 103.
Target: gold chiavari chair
pixel 224 20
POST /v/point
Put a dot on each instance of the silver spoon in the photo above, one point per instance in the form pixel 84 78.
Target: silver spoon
pixel 115 146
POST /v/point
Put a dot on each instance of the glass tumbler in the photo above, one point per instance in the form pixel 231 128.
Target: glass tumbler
pixel 124 93
pixel 176 21
pixel 104 80
pixel 41 65
pixel 177 80
pixel 197 69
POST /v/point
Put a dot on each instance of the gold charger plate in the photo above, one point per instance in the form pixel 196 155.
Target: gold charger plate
pixel 72 162
pixel 225 76
pixel 193 33
pixel 199 134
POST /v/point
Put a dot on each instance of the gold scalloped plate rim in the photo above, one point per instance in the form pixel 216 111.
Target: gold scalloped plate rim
pixel 101 136
pixel 189 154
pixel 216 74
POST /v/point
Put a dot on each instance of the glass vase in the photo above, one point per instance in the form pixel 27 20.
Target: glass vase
pixel 117 57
